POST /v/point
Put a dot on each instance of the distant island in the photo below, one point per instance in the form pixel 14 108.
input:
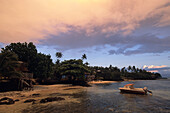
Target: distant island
pixel 22 66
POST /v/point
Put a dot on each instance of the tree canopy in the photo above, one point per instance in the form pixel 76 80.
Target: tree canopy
pixel 8 64
pixel 42 67
pixel 74 69
pixel 38 64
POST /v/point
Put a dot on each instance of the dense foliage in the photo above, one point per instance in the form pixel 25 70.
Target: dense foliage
pixel 42 67
pixel 114 73
pixel 8 64
pixel 38 64
pixel 74 69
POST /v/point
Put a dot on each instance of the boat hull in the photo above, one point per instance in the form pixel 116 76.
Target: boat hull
pixel 133 91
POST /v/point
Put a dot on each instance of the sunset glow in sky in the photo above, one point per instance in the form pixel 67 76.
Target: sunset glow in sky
pixel 117 32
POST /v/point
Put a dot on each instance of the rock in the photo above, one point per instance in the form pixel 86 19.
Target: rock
pixel 36 94
pixel 50 99
pixel 6 100
pixel 29 100
pixel 16 100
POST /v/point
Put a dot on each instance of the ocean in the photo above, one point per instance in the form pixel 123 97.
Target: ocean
pixel 106 98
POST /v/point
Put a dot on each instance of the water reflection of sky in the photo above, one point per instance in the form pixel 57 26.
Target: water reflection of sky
pixel 107 97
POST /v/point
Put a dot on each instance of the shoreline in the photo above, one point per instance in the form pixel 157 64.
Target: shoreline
pixel 75 98
pixel 41 91
pixel 102 82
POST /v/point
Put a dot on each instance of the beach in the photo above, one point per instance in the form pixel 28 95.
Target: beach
pixel 40 92
pixel 102 82
pixel 101 97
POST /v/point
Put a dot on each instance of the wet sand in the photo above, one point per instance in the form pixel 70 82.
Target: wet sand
pixel 65 91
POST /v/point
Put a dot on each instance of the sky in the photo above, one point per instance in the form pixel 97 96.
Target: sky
pixel 116 32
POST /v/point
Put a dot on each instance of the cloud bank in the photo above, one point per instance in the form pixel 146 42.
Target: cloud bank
pixel 130 27
pixel 163 69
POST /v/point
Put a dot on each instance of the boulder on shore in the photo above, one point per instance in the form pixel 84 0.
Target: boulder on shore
pixel 50 99
pixel 29 100
pixel 35 95
pixel 7 101
pixel 16 100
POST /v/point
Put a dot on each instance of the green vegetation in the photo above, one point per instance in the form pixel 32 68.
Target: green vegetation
pixel 43 66
pixel 39 64
pixel 133 73
pixel 73 70
pixel 8 64
pixel 114 73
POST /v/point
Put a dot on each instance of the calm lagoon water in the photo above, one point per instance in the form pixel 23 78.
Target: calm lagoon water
pixel 106 98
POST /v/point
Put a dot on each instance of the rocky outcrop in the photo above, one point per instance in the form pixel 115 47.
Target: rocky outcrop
pixel 16 100
pixel 50 99
pixel 35 95
pixel 29 100
pixel 7 101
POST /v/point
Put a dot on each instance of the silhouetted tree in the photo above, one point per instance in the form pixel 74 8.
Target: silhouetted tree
pixel 129 68
pixel 58 55
pixel 44 66
pixel 74 69
pixel 84 56
pixel 8 64
pixel 26 52
pixel 39 64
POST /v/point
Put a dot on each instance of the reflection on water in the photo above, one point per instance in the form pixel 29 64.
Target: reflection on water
pixel 106 98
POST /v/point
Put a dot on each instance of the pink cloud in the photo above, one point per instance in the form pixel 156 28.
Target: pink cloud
pixel 163 69
pixel 34 20
pixel 154 67
pixel 154 71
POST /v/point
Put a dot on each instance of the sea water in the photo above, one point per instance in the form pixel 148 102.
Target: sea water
pixel 106 98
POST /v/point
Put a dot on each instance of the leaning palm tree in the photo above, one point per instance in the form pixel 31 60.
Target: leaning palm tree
pixel 84 56
pixel 8 64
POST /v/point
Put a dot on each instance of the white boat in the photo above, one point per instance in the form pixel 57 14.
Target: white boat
pixel 128 88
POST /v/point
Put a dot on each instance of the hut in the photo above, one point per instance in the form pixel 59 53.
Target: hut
pixel 18 83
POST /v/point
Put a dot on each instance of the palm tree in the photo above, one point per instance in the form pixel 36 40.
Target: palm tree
pixel 111 67
pixel 123 70
pixel 129 68
pixel 134 69
pixel 58 55
pixel 84 56
pixel 8 64
pixel 137 69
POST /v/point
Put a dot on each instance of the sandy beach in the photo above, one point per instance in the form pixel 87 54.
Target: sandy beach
pixel 40 92
pixel 65 91
pixel 102 82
